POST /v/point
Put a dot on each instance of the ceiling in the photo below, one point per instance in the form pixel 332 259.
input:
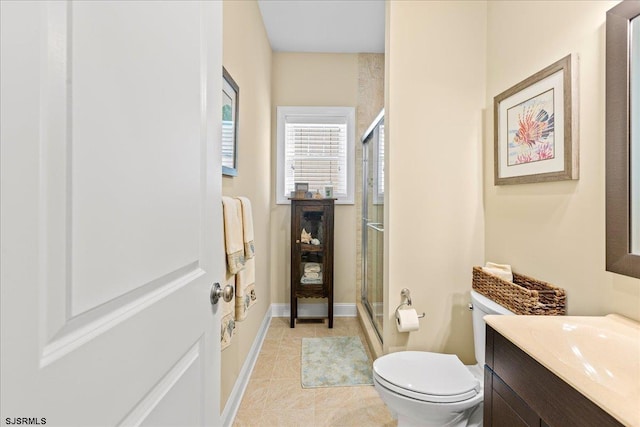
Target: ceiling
pixel 330 26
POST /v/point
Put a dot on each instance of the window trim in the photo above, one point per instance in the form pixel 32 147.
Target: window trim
pixel 348 113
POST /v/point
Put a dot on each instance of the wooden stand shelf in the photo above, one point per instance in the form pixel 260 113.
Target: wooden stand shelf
pixel 312 265
pixel 305 247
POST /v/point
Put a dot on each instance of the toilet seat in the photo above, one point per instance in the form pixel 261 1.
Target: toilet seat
pixel 425 376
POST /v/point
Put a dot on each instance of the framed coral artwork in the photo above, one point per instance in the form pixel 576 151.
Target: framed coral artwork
pixel 536 127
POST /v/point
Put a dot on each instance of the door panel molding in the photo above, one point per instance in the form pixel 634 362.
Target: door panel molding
pixel 87 326
pixel 191 360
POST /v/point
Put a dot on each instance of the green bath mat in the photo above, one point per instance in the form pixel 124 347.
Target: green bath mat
pixel 334 362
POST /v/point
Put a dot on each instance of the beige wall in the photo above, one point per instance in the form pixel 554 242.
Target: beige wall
pixel 435 87
pixel 312 79
pixel 555 231
pixel 247 57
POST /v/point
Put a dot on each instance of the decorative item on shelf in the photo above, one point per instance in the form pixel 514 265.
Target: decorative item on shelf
pixel 315 242
pixel 301 189
pixel 305 237
pixel 317 195
pixel 328 191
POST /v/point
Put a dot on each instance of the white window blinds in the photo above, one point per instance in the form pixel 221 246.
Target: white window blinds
pixel 315 146
pixel 316 153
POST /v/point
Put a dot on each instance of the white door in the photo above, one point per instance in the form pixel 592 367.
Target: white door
pixel 111 217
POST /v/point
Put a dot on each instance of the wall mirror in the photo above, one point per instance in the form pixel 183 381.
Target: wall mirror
pixel 623 138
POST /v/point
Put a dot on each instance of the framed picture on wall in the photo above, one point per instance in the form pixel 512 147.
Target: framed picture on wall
pixel 230 110
pixel 536 127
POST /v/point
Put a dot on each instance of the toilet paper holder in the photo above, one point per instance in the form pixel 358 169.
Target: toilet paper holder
pixel 406 301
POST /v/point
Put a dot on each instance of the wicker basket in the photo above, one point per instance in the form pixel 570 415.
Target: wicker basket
pixel 524 296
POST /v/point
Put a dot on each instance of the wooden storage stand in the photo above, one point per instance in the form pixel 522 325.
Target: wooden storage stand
pixel 315 216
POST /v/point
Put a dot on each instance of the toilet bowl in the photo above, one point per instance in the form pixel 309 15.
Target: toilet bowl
pixel 434 389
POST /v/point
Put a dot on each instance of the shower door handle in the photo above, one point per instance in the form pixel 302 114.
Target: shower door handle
pixel 378 226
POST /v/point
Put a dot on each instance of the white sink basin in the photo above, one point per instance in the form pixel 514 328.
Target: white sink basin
pixel 603 351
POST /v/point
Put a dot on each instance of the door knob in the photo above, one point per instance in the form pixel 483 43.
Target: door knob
pixel 217 292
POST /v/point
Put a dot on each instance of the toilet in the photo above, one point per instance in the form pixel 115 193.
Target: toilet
pixel 433 389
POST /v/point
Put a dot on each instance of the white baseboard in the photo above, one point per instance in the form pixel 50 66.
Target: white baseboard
pixel 314 310
pixel 233 403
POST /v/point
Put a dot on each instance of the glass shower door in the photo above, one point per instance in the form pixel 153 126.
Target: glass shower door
pixel 373 225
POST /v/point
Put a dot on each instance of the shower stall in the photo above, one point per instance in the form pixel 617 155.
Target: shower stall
pixel 373 222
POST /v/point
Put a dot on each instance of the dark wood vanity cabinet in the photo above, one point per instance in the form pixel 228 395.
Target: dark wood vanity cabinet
pixel 519 391
pixel 311 253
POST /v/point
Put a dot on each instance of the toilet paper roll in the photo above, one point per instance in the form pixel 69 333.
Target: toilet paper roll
pixel 407 320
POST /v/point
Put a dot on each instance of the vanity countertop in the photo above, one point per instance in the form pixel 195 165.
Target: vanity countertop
pixel 598 356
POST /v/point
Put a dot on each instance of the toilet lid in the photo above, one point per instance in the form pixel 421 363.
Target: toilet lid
pixel 432 377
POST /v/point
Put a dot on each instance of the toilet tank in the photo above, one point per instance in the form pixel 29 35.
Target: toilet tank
pixel 481 307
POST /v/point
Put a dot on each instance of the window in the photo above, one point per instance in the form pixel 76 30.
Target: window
pixel 316 145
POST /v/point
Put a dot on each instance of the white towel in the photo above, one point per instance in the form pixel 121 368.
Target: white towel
pixel 245 289
pixel 247 227
pixel 312 267
pixel 234 245
pixel 503 271
pixel 228 322
pixel 310 275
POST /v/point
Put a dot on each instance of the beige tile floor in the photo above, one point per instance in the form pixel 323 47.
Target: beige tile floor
pixel 275 397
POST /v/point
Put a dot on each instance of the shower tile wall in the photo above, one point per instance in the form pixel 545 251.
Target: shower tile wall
pixel 370 102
